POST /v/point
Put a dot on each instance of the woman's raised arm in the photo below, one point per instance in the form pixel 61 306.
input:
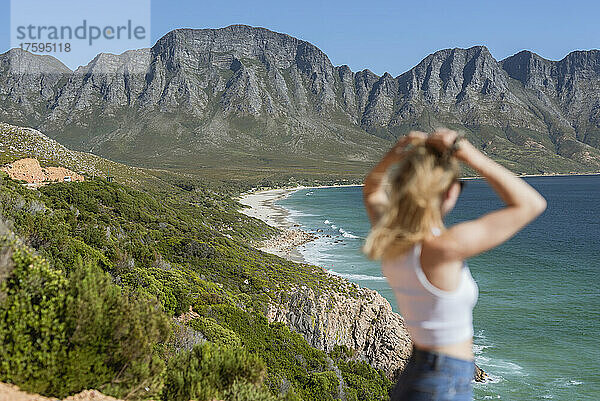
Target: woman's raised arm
pixel 523 204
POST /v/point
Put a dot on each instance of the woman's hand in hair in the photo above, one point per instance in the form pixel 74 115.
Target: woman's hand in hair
pixel 522 205
pixel 442 139
pixel 416 134
pixel 406 139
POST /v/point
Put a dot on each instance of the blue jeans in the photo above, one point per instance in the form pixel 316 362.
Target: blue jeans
pixel 431 376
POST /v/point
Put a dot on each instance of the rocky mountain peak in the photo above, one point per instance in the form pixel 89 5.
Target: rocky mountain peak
pixel 450 75
pixel 23 62
pixel 585 63
pixel 529 68
pixel 220 46
pixel 129 62
pixel 253 91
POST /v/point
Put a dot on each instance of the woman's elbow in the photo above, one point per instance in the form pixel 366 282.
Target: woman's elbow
pixel 544 204
pixel 538 206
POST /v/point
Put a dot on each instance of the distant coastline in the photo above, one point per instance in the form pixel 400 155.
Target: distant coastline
pixel 539 175
pixel 262 205
pixel 299 187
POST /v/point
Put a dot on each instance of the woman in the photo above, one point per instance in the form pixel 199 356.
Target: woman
pixel 406 196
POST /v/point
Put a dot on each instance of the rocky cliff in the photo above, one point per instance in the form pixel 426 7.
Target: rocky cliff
pixel 245 96
pixel 365 323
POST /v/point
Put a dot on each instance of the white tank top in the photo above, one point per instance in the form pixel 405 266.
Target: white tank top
pixel 432 316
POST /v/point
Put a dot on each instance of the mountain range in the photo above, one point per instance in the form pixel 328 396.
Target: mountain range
pixel 246 98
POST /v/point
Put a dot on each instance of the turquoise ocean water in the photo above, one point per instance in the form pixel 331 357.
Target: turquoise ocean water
pixel 537 320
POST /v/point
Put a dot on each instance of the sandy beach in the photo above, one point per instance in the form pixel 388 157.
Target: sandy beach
pixel 262 206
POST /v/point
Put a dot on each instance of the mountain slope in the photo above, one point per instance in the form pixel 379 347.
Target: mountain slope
pixel 248 98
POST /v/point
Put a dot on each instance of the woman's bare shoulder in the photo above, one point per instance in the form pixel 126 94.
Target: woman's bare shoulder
pixel 436 251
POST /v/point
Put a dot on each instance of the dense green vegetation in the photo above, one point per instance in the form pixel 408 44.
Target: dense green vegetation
pixel 88 289
pixel 209 372
pixel 60 335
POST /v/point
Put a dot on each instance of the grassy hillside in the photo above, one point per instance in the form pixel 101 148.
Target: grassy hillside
pixel 18 142
pixel 223 175
pixel 179 249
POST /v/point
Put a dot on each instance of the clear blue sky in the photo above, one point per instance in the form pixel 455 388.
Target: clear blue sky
pixel 390 36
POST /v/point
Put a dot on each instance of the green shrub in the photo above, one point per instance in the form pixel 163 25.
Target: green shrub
pixel 323 385
pixel 340 352
pixel 209 372
pixel 290 360
pixel 112 336
pixel 362 381
pixel 215 333
pixel 64 335
pixel 33 335
pixel 181 249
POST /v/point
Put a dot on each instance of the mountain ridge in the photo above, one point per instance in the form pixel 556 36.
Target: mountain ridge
pixel 249 97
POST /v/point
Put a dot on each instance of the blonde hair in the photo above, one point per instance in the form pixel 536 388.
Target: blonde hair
pixel 413 190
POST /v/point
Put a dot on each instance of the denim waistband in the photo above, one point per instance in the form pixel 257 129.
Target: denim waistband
pixel 439 361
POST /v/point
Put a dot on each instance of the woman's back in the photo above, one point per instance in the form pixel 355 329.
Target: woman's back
pixel 433 317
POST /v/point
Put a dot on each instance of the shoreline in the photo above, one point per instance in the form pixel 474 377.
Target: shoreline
pixel 538 175
pixel 261 205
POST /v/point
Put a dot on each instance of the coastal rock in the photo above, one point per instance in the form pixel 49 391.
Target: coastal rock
pixel 363 321
pixel 285 244
pixel 480 375
pixel 341 313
